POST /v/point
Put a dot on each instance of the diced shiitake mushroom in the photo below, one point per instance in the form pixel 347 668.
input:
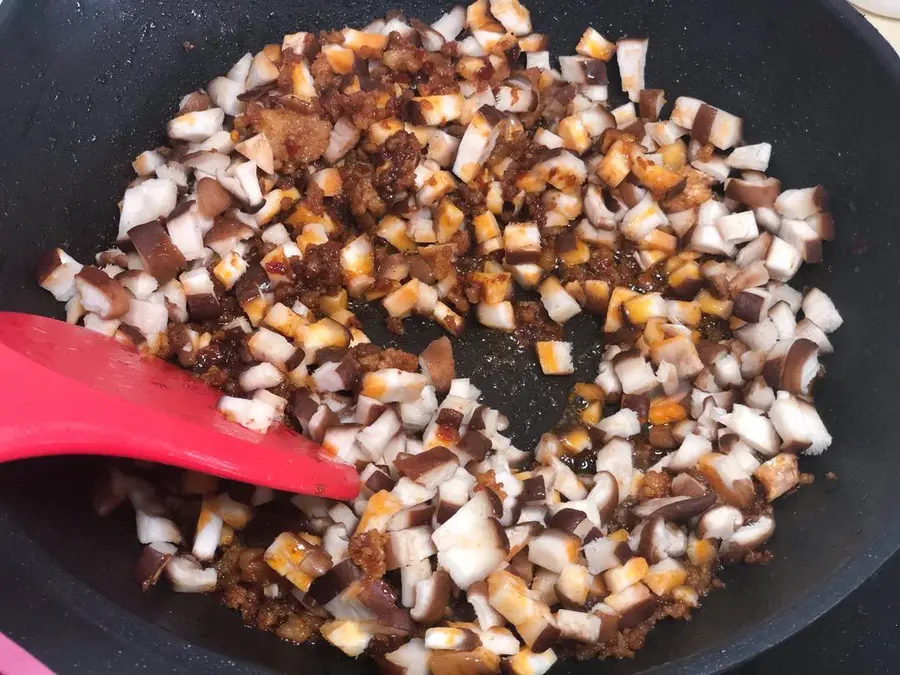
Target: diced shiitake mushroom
pixel 418 210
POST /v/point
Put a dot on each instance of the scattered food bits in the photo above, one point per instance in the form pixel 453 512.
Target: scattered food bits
pixel 426 169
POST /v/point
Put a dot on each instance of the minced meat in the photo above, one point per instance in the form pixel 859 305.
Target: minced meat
pixel 367 552
pixel 656 484
pixel 357 180
pixel 372 357
pixel 533 324
pixel 396 172
pixel 296 138
pixel 320 266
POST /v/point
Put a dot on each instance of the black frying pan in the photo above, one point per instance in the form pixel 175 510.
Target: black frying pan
pixel 85 85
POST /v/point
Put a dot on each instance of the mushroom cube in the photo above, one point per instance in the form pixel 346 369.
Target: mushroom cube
pixel 555 357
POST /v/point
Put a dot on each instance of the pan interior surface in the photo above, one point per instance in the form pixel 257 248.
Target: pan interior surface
pixel 88 85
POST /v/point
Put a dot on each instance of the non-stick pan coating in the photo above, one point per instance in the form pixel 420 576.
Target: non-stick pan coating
pixel 85 85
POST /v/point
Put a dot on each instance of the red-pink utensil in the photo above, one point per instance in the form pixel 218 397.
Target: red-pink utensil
pixel 70 391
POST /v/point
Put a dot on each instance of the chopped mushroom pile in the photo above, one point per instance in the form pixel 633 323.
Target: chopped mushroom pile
pixel 448 171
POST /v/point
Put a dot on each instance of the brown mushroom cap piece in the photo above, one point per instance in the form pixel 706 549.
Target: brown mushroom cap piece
pixel 334 582
pixel 453 638
pixel 474 444
pixel 212 199
pixel 55 271
pixel 429 468
pixel 322 420
pixel 225 233
pixel 609 622
pixel 379 478
pixel 659 540
pixel 634 604
pixel 703 122
pixel 779 475
pixel 719 522
pixel 651 102
pixel 572 521
pixel 368 410
pixel 800 367
pixel 378 596
pixel 520 534
pixel 414 516
pixel 754 194
pixel 534 491
pixel 101 294
pixel 432 598
pixel 677 509
pixel 747 538
pixel 685 484
pixel 152 562
pixel 539 630
pixel 303 406
pixel 728 479
pixel 751 304
pixel 409 546
pixel 605 553
pixel 158 254
pixel 605 494
pixel 438 364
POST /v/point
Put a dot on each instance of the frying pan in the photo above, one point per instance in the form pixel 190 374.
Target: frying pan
pixel 85 85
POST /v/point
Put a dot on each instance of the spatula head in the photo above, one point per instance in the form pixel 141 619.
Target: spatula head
pixel 153 398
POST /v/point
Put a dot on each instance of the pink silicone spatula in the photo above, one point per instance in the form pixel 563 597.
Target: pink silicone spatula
pixel 68 391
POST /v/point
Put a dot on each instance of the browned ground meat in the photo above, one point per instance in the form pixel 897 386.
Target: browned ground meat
pixel 367 552
pixel 313 199
pixel 364 198
pixel 440 259
pixel 372 357
pixel 395 175
pixel 243 577
pixel 461 242
pixel 320 266
pixel 436 76
pixel 299 627
pixel 523 154
pixel 296 138
pixel 323 76
pixel 470 200
pixel 363 107
pixel 655 484
pixel 617 268
pixel 533 324
pixel 402 55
